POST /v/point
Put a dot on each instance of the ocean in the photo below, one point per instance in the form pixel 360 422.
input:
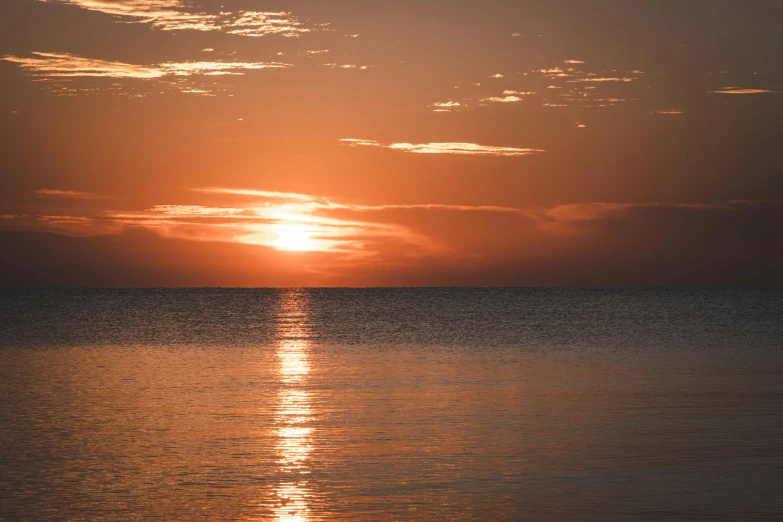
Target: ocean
pixel 391 404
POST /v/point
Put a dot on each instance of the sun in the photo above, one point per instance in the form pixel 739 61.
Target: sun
pixel 294 237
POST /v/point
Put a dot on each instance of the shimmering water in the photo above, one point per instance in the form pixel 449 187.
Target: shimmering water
pixel 448 404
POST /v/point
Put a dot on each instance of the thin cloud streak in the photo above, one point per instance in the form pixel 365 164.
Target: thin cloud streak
pixel 561 218
pixel 445 148
pixel 68 65
pixel 64 65
pixel 602 80
pixel 502 99
pixel 669 112
pixel 741 90
pixel 175 15
pixel 256 193
pixel 70 194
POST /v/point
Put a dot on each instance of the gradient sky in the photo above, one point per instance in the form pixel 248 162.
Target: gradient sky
pixel 356 143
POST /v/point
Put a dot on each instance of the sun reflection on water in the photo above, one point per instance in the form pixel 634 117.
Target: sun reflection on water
pixel 294 413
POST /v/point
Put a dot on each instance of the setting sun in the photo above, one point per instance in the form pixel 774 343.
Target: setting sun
pixel 294 237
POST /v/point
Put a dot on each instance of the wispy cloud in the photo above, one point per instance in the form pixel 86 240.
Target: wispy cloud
pixel 502 99
pixel 64 65
pixel 668 112
pixel 264 218
pixel 256 193
pixel 561 218
pixel 602 80
pixel 742 90
pixel 255 23
pixel 448 106
pixel 346 66
pixel 140 8
pixel 176 15
pixel 473 149
pixel 217 68
pixel 71 194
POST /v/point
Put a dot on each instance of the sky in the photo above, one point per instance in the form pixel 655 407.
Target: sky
pixel 407 143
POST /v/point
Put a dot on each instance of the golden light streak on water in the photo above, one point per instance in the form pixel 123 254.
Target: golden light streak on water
pixel 294 411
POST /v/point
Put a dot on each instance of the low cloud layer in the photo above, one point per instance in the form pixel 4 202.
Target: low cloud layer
pixel 562 244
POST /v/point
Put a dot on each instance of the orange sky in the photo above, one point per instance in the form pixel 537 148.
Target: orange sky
pixel 247 143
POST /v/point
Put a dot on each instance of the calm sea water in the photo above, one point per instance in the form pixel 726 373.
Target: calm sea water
pixel 425 404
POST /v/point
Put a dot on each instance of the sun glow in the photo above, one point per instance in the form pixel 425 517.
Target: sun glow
pixel 294 237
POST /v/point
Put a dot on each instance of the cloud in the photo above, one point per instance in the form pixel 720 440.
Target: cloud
pixel 574 61
pixel 473 149
pixel 503 99
pixel 353 142
pixel 140 8
pixel 346 66
pixel 498 75
pixel 256 193
pixel 217 68
pixel 64 65
pixel 175 15
pixel 560 218
pixel 518 93
pixel 741 90
pixel 160 14
pixel 668 112
pixel 71 194
pixel 351 234
pixel 255 23
pixel 68 65
pixel 264 219
pixel 448 106
pixel 602 80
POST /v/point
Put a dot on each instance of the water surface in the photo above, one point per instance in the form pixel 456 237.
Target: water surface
pixel 428 404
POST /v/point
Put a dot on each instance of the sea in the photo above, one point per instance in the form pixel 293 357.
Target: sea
pixel 441 404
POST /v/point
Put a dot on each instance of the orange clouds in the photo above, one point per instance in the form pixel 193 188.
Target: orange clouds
pixel 71 194
pixel 473 149
pixel 740 90
pixel 176 15
pixel 68 65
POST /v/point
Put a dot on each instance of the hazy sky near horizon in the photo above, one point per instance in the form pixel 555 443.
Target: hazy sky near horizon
pixel 250 143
